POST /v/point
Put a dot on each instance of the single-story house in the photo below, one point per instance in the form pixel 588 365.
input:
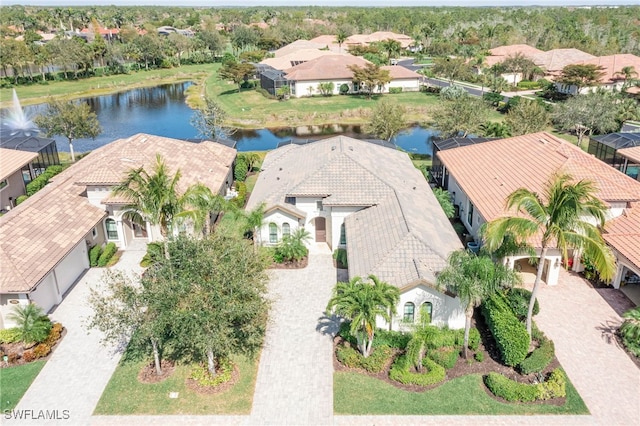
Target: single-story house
pixel 44 241
pixel 610 148
pixel 371 201
pixel 296 57
pixel 30 141
pixel 302 44
pixel 378 36
pixel 553 61
pixel 480 177
pixel 612 78
pixel 11 176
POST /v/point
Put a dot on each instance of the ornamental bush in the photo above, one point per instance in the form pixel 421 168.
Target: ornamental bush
pixel 201 375
pixel 374 363
pixel 394 90
pixel 512 391
pixel 94 255
pixel 240 171
pixel 446 356
pixel 400 372
pixel 518 300
pixel 393 339
pixel 539 359
pixel 9 335
pixel 108 252
pixel 509 333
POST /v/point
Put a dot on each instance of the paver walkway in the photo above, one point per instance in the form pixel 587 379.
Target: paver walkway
pixel 295 378
pixel 78 371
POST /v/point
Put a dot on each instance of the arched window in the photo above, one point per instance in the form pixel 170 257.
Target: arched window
pixel 273 233
pixel 409 311
pixel 112 229
pixel 286 230
pixel 343 235
pixel 427 311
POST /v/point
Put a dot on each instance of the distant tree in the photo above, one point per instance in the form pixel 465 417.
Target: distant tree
pixel 629 74
pixel 460 117
pixel 519 64
pixel 452 68
pixel 326 89
pixel 72 120
pixel 238 72
pixel 243 37
pixel 581 75
pixel 387 119
pixel 370 76
pixel 452 92
pixel 341 36
pixel 209 120
pixel 392 47
pixel 493 129
pixel 211 40
pixel 527 117
pixel 587 114
pixel 179 44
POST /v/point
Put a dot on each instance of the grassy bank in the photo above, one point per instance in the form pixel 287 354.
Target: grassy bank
pixel 14 382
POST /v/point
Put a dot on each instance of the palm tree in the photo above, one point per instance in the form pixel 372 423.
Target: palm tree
pixel 630 330
pixel 201 202
pixel 32 324
pixel 392 47
pixel 361 303
pixel 255 220
pixel 629 73
pixel 417 346
pixel 564 217
pixel 474 278
pixel 341 36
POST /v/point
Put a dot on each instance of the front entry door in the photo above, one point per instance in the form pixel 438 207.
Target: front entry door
pixel 139 231
pixel 321 230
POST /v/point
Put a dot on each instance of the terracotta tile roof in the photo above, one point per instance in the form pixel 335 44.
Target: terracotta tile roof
pixel 613 64
pixel 490 171
pixel 38 233
pixel 295 58
pixel 632 154
pixel 623 234
pixel 401 234
pixel 296 46
pixel 362 39
pixel 12 160
pixel 512 49
pixel 399 72
pixel 557 59
pixel 326 40
pixel 325 67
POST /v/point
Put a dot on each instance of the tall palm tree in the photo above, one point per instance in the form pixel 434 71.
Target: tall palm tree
pixel 341 36
pixel 361 303
pixel 474 278
pixel 255 220
pixel 201 201
pixel 629 73
pixel 392 47
pixel 564 217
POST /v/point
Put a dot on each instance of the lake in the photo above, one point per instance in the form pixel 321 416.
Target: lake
pixel 162 111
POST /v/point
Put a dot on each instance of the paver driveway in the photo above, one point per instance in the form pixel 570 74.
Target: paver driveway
pixel 75 376
pixel 295 379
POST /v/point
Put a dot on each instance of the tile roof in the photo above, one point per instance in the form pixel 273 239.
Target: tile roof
pixel 295 58
pixel 326 40
pixel 613 64
pixel 623 234
pixel 38 233
pixel 397 72
pixel 490 171
pixel 12 160
pixel 297 46
pixel 512 49
pixel 325 67
pixel 404 40
pixel 401 234
pixel 632 154
pixel 557 59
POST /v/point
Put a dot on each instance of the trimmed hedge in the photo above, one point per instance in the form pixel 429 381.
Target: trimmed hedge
pixel 509 333
pixel 108 252
pixel 512 391
pixel 374 363
pixel 392 339
pixel 240 171
pixel 400 372
pixel 518 299
pixel 39 182
pixel 446 356
pixel 394 90
pixel 94 255
pixel 240 199
pixel 539 359
pixel 442 337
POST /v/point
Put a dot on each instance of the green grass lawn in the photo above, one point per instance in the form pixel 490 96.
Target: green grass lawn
pixel 357 394
pixel 124 394
pixel 14 382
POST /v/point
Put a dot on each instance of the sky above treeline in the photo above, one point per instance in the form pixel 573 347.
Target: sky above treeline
pixel 219 3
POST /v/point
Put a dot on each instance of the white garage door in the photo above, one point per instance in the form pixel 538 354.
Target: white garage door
pixel 68 271
pixel 45 295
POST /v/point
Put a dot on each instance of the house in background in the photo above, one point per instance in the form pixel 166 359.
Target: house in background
pixel 45 149
pixel 631 165
pixel 611 147
pixel 12 184
pixel 612 78
pixel 480 177
pixel 44 242
pixel 371 201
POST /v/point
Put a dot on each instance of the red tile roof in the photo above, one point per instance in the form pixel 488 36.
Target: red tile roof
pixel 632 153
pixel 623 234
pixel 613 64
pixel 325 67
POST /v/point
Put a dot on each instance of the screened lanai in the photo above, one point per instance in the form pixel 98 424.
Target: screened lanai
pixel 607 147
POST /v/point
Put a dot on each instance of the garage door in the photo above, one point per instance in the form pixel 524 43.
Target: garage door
pixel 45 295
pixel 71 267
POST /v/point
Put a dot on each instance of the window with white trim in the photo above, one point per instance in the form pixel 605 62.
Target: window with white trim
pixel 409 312
pixel 273 233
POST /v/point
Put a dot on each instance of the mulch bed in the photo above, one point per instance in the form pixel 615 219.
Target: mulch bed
pixel 211 390
pixel 148 373
pixel 18 348
pixel 301 264
pixel 463 367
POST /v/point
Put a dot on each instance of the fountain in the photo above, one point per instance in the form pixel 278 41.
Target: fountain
pixel 16 121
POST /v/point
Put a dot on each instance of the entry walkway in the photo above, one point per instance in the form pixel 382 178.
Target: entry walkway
pixel 295 378
pixel 78 371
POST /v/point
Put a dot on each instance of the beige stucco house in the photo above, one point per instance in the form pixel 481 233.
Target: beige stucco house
pixel 371 201
pixel 11 178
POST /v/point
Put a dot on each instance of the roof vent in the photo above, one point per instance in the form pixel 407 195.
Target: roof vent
pixel 143 140
pixel 280 168
pixel 333 148
pixel 350 148
pixel 543 140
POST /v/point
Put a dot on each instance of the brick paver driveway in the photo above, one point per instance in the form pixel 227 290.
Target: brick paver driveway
pixel 295 379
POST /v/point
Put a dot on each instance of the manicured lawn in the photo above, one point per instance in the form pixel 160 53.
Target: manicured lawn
pixel 124 394
pixel 357 394
pixel 14 382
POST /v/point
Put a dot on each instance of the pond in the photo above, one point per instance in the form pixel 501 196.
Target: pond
pixel 162 111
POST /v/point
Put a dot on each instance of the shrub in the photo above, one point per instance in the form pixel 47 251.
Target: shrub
pixel 292 247
pixel 9 335
pixel 340 255
pixel 629 331
pixel 239 200
pixel 512 391
pixel 344 89
pixel 28 356
pixel 554 387
pixel 509 333
pixel 446 356
pixel 240 171
pixel 265 93
pixel 479 356
pixel 31 323
pixel 442 337
pixel 41 350
pixel 20 199
pixel 374 363
pixel 94 255
pixel 201 375
pixel 54 334
pixel 392 339
pixel 539 359
pixel 518 300
pixel 108 252
pixel 395 90
pixel 400 372
pixel 39 182
pixel 154 254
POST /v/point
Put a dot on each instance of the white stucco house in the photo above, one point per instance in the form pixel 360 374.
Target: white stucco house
pixel 479 178
pixel 370 200
pixel 44 241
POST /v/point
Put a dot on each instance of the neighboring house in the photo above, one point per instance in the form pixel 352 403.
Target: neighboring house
pixel 297 57
pixel 553 61
pixel 623 236
pixel 631 165
pixel 612 79
pixel 611 148
pixel 45 149
pixel 299 45
pixel 44 241
pixel 305 79
pixel 11 176
pixel 480 177
pixel 369 199
pixel 366 39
